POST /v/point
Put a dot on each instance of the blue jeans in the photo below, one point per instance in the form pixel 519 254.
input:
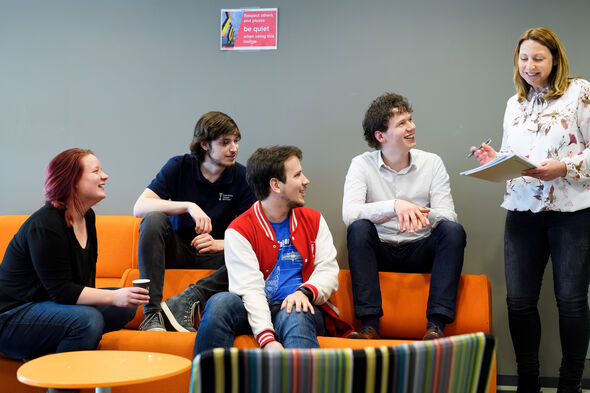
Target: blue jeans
pixel 161 248
pixel 441 254
pixel 35 329
pixel 529 240
pixel 225 317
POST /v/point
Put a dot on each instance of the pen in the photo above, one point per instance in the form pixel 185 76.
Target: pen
pixel 480 146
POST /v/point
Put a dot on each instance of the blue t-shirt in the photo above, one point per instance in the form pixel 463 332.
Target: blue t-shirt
pixel 180 179
pixel 285 278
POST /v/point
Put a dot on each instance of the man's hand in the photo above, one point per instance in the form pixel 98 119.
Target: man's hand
pixel 273 345
pixel 205 243
pixel 202 221
pixel 300 301
pixel 411 217
pixel 548 170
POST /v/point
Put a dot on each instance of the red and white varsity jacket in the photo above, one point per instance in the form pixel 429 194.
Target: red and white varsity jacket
pixel 251 251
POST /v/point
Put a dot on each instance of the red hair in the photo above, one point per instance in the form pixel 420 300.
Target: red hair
pixel 62 176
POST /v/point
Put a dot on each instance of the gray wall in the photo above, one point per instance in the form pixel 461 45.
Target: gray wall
pixel 129 78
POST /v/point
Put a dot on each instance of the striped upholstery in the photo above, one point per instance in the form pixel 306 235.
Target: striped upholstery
pixel 454 364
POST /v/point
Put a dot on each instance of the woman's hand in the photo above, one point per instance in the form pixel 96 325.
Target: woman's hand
pixel 130 297
pixel 485 154
pixel 548 170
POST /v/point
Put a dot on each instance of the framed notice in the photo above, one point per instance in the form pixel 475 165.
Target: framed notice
pixel 249 29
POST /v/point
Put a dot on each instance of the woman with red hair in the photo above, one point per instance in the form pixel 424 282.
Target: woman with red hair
pixel 48 302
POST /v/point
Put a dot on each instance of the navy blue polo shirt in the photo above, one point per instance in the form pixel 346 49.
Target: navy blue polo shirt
pixel 180 179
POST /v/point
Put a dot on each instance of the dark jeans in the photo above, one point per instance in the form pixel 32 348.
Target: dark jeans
pixel 36 329
pixel 160 248
pixel 441 254
pixel 529 240
pixel 225 317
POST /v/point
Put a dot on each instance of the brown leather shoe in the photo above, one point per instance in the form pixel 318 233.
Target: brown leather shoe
pixel 432 333
pixel 366 333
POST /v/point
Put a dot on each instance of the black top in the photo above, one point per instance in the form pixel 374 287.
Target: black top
pixel 44 261
pixel 180 179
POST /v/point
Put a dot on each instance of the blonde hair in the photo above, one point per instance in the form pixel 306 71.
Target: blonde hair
pixel 559 78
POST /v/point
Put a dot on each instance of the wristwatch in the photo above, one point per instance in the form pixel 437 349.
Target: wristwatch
pixel 307 292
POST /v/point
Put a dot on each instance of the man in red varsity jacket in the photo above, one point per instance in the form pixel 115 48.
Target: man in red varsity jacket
pixel 281 264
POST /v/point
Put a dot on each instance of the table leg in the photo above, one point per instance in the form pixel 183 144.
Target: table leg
pixel 102 390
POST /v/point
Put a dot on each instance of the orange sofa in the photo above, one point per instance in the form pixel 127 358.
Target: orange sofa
pixel 404 306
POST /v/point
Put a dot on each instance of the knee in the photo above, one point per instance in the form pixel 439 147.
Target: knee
pixel 360 232
pixel 572 304
pixel 88 322
pixel 222 305
pixel 294 321
pixel 522 305
pixel 154 221
pixel 453 233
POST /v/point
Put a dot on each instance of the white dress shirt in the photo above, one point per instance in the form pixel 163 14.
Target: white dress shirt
pixel 371 188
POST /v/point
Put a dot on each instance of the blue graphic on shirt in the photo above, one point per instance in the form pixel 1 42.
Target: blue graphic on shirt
pixel 285 278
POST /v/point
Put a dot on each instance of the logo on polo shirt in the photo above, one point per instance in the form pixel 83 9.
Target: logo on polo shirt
pixel 225 197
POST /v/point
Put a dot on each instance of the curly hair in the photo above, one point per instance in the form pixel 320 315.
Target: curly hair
pixel 267 163
pixel 378 115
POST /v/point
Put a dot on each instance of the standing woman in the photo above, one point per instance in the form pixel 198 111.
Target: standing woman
pixel 547 121
pixel 48 302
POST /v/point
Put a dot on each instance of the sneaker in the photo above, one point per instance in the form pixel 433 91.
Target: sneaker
pixel 153 322
pixel 366 333
pixel 180 311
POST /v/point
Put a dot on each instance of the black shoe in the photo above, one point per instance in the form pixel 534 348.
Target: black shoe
pixel 562 388
pixel 153 322
pixel 180 311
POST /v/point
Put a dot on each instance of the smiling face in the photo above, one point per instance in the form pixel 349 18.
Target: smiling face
pixel 222 151
pixel 292 191
pixel 535 64
pixel 400 135
pixel 90 187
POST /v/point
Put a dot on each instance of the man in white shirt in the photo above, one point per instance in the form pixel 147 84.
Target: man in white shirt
pixel 400 216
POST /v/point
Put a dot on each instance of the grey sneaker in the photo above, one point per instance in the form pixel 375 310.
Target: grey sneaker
pixel 153 322
pixel 180 311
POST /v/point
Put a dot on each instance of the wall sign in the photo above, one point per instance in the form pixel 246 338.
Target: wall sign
pixel 249 29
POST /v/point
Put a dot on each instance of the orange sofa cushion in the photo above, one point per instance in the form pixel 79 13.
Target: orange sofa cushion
pixel 404 298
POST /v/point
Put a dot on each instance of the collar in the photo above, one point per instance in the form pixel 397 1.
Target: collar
pixel 265 224
pixel 536 101
pixel 382 164
pixel 226 177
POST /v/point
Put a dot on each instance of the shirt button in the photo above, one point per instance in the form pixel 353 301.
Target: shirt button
pixel 305 259
pixel 274 246
pixel 267 270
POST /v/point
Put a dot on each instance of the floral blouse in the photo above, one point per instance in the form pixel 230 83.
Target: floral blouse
pixel 542 130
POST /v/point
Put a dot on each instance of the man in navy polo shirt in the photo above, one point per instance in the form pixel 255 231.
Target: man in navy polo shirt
pixel 185 211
